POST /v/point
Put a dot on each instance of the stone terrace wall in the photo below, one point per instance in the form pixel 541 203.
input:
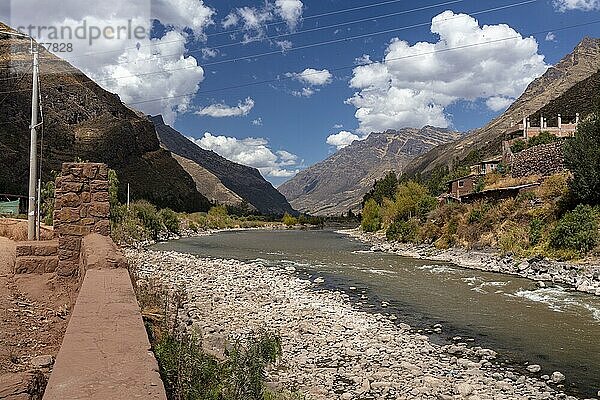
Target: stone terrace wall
pixel 81 207
pixel 544 160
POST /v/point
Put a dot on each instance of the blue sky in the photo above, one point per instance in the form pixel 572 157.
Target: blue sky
pixel 283 125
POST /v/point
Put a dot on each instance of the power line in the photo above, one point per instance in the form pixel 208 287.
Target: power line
pixel 279 79
pixel 317 44
pixel 198 50
pixel 344 10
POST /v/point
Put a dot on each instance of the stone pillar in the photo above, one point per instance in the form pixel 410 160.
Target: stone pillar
pixel 577 119
pixel 81 207
pixel 559 122
pixel 541 122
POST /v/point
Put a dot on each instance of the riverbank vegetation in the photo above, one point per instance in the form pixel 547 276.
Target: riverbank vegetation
pixel 559 219
pixel 188 371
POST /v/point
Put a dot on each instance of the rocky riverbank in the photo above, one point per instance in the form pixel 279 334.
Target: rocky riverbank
pixel 332 350
pixel 583 277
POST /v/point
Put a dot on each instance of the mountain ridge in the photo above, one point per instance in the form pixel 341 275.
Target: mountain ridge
pixel 579 65
pixel 338 183
pixel 245 182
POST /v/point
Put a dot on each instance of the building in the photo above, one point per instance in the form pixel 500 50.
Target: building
pixel 565 127
pixel 462 186
pixel 486 166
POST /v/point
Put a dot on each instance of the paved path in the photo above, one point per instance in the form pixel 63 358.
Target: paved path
pixel 105 352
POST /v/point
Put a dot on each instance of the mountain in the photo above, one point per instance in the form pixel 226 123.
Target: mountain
pixel 338 183
pixel 82 121
pixel 569 87
pixel 231 182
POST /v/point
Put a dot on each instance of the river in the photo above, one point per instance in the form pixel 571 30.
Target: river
pixel 554 326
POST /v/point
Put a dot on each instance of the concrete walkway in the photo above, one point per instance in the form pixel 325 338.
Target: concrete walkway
pixel 105 352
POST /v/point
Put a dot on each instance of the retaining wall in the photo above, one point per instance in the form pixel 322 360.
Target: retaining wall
pixel 543 160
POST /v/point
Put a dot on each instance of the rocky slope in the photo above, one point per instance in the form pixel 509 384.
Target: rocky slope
pixel 82 121
pixel 338 183
pixel 566 88
pixel 235 181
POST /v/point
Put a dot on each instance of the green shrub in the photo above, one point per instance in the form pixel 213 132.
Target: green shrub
pixel 536 230
pixel 577 230
pixel 170 220
pixel 147 214
pixel 371 217
pixel 288 220
pixel 518 146
pixel 403 231
pixel 476 215
pixel 544 137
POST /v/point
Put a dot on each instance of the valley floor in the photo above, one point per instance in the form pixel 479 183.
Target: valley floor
pixel 583 277
pixel 331 349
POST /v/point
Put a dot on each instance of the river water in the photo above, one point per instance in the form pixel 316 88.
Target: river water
pixel 554 326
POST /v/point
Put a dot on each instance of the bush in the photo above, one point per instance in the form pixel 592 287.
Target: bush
pixel 536 230
pixel 371 218
pixel 147 214
pixel 169 219
pixel 403 231
pixel 577 230
pixel 544 137
pixel 288 220
pixel 518 146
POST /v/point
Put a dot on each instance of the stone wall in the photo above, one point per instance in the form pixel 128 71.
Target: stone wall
pixel 81 207
pixel 544 160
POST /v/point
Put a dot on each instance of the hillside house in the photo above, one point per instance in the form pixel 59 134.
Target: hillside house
pixel 565 127
pixel 462 186
pixel 486 166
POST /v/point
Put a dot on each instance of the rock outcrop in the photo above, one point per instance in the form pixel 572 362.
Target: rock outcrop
pixel 234 180
pixel 82 121
pixel 338 183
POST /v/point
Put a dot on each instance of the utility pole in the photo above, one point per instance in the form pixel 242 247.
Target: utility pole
pixel 31 210
pixel 33 144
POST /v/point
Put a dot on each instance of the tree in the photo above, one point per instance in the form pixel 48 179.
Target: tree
pixel 371 219
pixel 582 158
pixel 382 189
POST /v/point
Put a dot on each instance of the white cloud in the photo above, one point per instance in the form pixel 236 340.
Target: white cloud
pixel 550 37
pixel 364 59
pixel 312 76
pixel 209 53
pixel 165 70
pixel 338 126
pixel 253 152
pixel 221 110
pixel 342 139
pixel 258 122
pixel 304 92
pixel 290 11
pixel 582 5
pixel 253 19
pixel 284 45
pixel 498 103
pixel 413 85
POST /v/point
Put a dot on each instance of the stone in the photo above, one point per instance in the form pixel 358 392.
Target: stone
pixel 74 230
pixel 102 227
pixel 100 197
pixel 534 368
pixel 101 210
pixel 67 215
pixel 99 186
pixel 464 389
pixel 67 268
pixel 70 200
pixel 42 361
pixel 557 377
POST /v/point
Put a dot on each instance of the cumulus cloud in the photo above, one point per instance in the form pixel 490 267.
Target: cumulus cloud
pixel 312 76
pixel 253 19
pixel 258 121
pixel 253 152
pixel 136 68
pixel 582 5
pixel 342 139
pixel 413 85
pixel 304 92
pixel 222 110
